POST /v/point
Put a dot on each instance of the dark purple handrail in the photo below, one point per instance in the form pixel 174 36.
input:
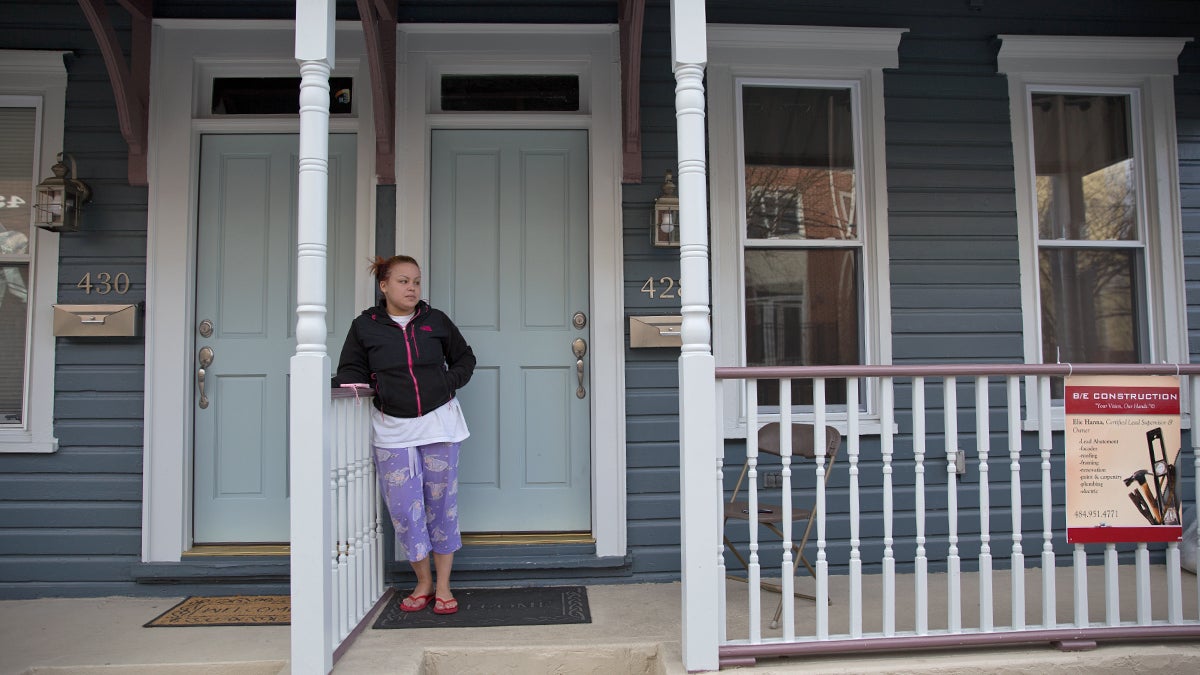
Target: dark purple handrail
pixel 956 369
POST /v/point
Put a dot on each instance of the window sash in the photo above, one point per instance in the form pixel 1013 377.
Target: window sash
pixel 18 135
pixel 1086 165
pixel 833 224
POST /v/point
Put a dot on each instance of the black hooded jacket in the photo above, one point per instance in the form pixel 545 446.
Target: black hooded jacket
pixel 414 369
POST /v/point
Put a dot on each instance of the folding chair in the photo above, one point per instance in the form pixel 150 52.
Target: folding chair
pixel 770 515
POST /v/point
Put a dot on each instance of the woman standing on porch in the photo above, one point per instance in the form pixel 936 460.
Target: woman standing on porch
pixel 415 358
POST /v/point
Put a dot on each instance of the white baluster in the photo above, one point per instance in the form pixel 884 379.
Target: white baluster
pixel 983 439
pixel 1014 464
pixel 921 562
pixel 1194 381
pixel 722 597
pixel 367 520
pixel 1112 586
pixel 353 499
pixel 334 609
pixel 1049 619
pixel 1142 574
pixel 377 514
pixel 1174 585
pixel 852 433
pixel 822 562
pixel 755 581
pixel 887 419
pixel 788 564
pixel 342 513
pixel 1079 562
pixel 953 563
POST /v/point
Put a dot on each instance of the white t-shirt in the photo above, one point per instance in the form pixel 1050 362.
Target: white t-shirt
pixel 446 424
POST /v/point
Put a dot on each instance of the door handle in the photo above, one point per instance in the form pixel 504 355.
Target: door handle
pixel 206 359
pixel 579 348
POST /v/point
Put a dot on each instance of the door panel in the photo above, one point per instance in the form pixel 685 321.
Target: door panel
pixel 245 285
pixel 509 263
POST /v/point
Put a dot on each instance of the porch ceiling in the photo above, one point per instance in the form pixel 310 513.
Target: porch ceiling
pixel 130 77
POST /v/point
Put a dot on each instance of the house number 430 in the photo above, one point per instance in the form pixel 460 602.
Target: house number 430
pixel 665 288
pixel 104 283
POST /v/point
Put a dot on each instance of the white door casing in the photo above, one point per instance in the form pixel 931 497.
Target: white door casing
pixel 425 51
pixel 187 55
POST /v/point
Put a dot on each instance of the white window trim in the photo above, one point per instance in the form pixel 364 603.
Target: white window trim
pixel 1145 68
pixel 800 55
pixel 41 74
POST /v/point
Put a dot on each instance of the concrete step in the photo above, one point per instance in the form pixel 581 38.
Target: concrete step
pixel 231 668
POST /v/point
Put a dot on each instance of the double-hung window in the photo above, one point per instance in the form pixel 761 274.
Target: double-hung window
pixel 1097 199
pixel 32 101
pixel 18 131
pixel 799 216
pixel 802 249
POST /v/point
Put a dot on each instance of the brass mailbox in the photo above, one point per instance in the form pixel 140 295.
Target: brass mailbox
pixel 655 331
pixel 96 321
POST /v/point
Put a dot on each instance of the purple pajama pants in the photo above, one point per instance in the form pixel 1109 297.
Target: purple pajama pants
pixel 420 487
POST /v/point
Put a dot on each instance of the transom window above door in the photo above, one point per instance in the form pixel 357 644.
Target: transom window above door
pixel 274 96
pixel 509 93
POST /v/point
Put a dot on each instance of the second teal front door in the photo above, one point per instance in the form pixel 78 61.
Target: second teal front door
pixel 509 262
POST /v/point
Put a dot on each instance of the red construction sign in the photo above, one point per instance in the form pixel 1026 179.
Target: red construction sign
pixel 1122 445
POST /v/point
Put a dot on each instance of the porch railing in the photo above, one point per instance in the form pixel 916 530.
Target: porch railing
pixel 356 560
pixel 992 548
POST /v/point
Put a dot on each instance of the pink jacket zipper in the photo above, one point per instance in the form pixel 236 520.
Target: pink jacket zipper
pixel 408 348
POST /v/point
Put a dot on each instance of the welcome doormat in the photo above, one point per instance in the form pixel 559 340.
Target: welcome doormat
pixel 482 607
pixel 227 610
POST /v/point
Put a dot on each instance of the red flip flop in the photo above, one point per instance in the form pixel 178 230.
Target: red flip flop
pixel 415 603
pixel 441 606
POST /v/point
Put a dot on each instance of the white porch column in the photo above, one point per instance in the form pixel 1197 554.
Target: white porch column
pixel 311 531
pixel 698 436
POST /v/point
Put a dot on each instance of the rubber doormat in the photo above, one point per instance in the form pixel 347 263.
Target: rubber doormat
pixel 227 610
pixel 481 607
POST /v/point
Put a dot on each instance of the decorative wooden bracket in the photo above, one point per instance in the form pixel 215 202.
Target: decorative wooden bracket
pixel 130 82
pixel 630 16
pixel 379 32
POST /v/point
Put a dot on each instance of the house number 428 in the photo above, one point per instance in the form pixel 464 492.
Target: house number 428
pixel 665 288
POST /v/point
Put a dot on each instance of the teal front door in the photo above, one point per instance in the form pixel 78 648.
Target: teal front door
pixel 509 264
pixel 245 325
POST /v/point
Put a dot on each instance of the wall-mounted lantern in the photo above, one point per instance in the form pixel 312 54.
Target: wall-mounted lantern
pixel 60 199
pixel 666 215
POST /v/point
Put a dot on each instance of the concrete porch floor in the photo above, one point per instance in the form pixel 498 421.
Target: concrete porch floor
pixel 635 629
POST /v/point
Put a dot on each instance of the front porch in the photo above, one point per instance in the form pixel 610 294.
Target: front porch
pixel 931 568
pixel 632 624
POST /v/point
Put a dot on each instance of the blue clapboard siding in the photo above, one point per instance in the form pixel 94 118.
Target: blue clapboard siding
pixel 953 245
pixel 69 522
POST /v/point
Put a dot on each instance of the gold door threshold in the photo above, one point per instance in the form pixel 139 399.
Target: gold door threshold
pixel 520 538
pixel 203 550
pixel 479 539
